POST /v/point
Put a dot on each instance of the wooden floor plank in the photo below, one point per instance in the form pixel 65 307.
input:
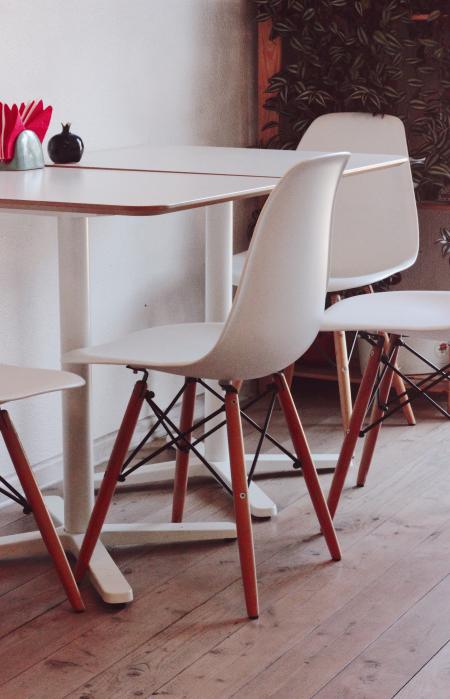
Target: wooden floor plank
pixel 432 680
pixel 383 668
pixel 306 627
pixel 320 655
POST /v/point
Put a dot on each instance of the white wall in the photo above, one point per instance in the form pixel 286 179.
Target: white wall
pixel 123 72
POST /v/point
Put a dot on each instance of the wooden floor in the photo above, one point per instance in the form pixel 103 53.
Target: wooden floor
pixel 374 626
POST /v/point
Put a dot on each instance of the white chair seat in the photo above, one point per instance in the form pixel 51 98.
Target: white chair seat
pixel 335 284
pixel 169 347
pixel 20 382
pixel 424 313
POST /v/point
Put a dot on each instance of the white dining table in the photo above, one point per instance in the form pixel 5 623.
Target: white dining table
pixel 140 181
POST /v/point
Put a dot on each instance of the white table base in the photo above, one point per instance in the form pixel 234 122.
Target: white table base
pixel 104 573
pixel 260 503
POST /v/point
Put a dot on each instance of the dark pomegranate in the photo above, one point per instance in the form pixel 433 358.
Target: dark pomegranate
pixel 65 147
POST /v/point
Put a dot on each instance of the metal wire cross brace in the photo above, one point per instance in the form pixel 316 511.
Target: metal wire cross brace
pixel 181 439
pixel 390 406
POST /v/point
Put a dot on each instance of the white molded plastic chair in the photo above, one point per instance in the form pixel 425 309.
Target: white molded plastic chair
pixel 400 313
pixel 375 229
pixel 17 383
pixel 274 319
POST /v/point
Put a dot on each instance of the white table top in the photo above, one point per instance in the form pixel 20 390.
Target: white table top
pixel 252 162
pixel 101 190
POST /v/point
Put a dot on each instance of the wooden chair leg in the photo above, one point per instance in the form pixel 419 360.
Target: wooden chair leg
pixel 182 458
pixel 108 486
pixel 308 468
pixel 343 372
pixel 356 421
pixel 40 512
pixel 399 387
pixel 289 374
pixel 397 383
pixel 377 412
pixel 241 502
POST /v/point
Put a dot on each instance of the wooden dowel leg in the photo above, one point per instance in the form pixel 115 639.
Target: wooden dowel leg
pixel 356 421
pixel 397 383
pixel 40 512
pixel 343 372
pixel 108 486
pixel 241 502
pixel 308 468
pixel 182 458
pixel 289 374
pixel 377 412
pixel 399 387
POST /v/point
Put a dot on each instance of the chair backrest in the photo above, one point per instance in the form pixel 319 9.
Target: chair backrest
pixel 280 301
pixel 375 226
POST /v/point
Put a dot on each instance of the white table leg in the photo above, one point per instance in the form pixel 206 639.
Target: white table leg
pixel 74 297
pixel 218 299
pixel 74 294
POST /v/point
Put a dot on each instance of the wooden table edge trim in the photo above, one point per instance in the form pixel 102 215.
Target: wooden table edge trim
pixel 125 209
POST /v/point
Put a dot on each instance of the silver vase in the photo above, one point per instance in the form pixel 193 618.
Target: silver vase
pixel 28 153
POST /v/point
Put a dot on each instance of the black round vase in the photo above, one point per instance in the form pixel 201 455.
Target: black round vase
pixel 65 147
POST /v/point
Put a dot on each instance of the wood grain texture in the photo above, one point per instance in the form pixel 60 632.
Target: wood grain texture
pixel 432 680
pixel 368 626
